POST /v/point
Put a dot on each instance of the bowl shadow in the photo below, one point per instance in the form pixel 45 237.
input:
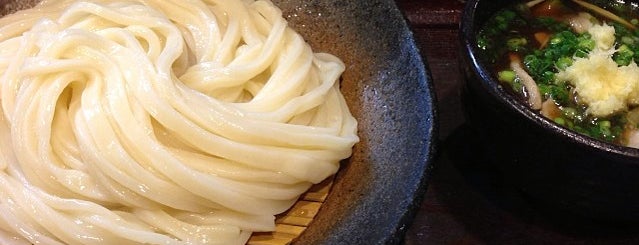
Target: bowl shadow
pixel 494 211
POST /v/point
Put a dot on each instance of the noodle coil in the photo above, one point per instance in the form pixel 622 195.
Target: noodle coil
pixel 161 122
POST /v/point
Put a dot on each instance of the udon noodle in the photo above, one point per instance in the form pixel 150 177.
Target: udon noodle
pixel 161 122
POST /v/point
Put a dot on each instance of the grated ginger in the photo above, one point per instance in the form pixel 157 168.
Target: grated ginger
pixel 600 83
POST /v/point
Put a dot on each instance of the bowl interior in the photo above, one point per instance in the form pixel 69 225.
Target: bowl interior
pixel 476 13
pixel 551 164
pixel 389 91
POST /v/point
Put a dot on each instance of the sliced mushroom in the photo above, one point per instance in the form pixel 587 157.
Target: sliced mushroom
pixel 532 91
pixel 632 138
pixel 581 22
pixel 550 110
pixel 533 3
pixel 604 13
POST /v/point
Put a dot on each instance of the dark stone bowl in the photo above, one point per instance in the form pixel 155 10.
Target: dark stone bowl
pixel 389 90
pixel 554 166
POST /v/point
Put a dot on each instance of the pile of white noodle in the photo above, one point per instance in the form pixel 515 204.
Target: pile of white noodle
pixel 161 122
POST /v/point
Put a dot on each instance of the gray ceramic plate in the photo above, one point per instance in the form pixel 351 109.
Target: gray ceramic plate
pixel 389 91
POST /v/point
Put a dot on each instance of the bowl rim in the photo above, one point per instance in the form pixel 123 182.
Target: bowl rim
pixel 467 30
pixel 349 228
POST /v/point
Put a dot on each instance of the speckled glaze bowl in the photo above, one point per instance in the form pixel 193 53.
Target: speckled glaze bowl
pixel 388 88
pixel 556 167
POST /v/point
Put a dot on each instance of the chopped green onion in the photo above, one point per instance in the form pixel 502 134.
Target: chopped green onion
pixel 563 63
pixel 516 44
pixel 627 40
pixel 604 129
pixel 604 124
pixel 623 56
pixel 586 44
pixel 570 113
pixel 507 76
pixel 581 54
pixel 560 121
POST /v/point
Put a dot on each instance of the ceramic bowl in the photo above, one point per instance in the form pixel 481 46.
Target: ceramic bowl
pixel 555 167
pixel 388 88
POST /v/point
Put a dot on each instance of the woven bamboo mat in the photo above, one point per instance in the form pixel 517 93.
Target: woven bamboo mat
pixel 292 223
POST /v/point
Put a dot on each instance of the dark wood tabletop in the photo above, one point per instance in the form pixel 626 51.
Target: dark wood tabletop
pixel 467 202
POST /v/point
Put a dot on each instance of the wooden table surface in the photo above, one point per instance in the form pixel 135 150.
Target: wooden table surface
pixel 466 202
